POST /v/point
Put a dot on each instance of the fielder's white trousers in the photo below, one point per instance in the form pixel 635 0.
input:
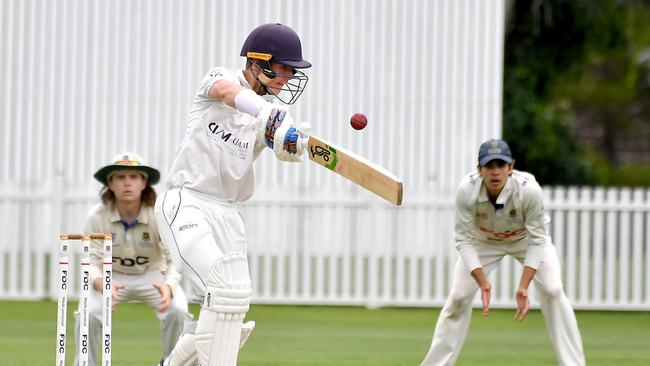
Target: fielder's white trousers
pixel 137 288
pixel 453 322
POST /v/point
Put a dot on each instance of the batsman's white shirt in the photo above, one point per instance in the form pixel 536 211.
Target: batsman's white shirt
pixel 520 216
pixel 217 152
pixel 136 250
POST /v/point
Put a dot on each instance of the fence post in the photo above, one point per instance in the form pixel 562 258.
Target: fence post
pixel 637 249
pixel 598 243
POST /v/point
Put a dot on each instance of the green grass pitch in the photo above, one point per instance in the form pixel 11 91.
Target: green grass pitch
pixel 338 336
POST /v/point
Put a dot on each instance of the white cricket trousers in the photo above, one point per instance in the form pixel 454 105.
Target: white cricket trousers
pixel 453 322
pixel 198 229
pixel 207 241
pixel 137 288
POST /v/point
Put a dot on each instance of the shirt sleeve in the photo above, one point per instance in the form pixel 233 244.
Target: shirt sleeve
pixel 464 232
pixel 93 225
pixel 535 223
pixel 214 75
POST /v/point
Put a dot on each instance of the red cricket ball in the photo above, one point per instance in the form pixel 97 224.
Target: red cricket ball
pixel 358 121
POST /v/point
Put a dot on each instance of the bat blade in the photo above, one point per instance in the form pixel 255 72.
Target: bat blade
pixel 357 169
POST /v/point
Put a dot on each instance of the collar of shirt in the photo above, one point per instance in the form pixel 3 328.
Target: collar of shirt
pixel 242 80
pixel 506 192
pixel 127 225
pixel 115 217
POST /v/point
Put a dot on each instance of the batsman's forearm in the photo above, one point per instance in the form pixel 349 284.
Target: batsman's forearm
pixel 527 276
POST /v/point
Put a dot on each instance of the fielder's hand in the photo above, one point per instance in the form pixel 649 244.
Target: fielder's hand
pixel 522 304
pixel 165 295
pixel 486 290
pixel 114 289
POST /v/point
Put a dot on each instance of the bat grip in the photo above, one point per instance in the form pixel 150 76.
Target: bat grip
pixel 304 141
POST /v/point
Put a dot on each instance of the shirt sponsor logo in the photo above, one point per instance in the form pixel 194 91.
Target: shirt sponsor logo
pixel 219 132
pixel 504 235
pixel 131 262
pixel 187 226
pixel 216 72
pixel 235 145
pixel 473 177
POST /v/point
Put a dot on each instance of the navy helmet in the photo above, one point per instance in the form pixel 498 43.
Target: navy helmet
pixel 275 42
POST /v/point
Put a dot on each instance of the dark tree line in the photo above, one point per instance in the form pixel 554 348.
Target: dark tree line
pixel 576 107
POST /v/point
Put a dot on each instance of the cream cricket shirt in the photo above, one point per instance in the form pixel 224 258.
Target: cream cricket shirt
pixel 217 152
pixel 519 215
pixel 136 250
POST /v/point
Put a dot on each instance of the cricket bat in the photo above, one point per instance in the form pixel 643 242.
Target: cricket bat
pixel 355 168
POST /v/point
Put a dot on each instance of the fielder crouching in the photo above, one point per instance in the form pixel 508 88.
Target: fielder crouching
pixel 499 212
pixel 142 266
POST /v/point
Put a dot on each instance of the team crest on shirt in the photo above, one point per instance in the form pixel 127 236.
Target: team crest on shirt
pixel 145 242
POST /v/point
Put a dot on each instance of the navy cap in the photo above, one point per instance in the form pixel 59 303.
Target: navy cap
pixel 275 42
pixel 494 150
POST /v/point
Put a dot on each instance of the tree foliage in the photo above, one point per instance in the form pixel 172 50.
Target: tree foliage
pixel 576 89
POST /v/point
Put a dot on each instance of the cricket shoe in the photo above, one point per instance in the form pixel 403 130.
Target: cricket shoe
pixel 165 362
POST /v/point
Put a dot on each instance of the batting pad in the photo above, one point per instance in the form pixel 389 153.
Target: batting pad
pixel 227 300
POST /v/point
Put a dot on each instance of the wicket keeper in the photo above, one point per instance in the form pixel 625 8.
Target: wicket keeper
pixel 142 266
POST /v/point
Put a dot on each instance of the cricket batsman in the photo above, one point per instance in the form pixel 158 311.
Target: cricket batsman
pixel 232 119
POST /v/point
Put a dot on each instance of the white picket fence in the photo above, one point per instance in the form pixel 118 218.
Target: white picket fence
pixel 359 251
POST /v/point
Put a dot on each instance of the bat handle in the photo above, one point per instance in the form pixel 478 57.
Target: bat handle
pixel 304 141
pixel 304 129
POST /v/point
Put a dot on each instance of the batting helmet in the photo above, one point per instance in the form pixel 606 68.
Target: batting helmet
pixel 275 42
